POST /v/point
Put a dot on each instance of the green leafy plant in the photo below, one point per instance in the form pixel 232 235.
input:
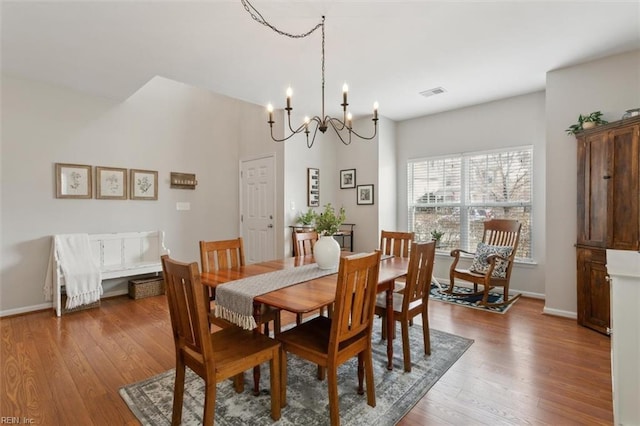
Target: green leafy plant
pixel 594 117
pixel 307 218
pixel 328 222
pixel 436 235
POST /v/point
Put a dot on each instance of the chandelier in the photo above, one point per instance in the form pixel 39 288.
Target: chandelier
pixel 319 122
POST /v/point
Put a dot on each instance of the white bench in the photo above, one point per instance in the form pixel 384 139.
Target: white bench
pixel 121 254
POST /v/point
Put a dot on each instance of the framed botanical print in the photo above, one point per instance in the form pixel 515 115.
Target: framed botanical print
pixel 364 194
pixel 73 181
pixel 313 187
pixel 111 183
pixel 143 185
pixel 347 178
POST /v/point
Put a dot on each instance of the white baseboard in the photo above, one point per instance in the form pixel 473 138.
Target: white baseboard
pixel 26 309
pixel 49 305
pixel 560 313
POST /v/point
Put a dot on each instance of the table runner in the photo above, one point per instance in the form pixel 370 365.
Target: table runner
pixel 234 300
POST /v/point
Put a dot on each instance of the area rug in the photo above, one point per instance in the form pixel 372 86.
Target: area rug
pixel 469 301
pixel 396 391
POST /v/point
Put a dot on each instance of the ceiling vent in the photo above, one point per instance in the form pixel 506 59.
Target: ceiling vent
pixel 433 92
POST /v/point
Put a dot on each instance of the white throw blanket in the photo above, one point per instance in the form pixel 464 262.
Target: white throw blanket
pixel 82 278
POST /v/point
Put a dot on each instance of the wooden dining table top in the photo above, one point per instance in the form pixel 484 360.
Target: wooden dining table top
pixel 306 296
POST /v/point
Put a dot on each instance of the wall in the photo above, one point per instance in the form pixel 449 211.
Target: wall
pixel 165 126
pixel 361 155
pixel 514 121
pixel 610 85
pixel 297 159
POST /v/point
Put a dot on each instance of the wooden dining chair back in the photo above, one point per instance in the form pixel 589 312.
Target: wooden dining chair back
pixel 229 254
pixel 413 301
pixel 304 242
pixel 492 261
pixel 213 356
pixel 329 342
pixel 396 243
pixel 223 254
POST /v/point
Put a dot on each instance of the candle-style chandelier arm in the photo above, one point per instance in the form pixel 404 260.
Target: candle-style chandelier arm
pixel 293 132
pixel 375 131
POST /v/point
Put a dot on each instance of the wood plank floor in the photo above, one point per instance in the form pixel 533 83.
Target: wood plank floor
pixel 524 367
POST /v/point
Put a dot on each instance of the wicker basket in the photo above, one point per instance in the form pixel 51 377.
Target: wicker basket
pixel 64 310
pixel 146 287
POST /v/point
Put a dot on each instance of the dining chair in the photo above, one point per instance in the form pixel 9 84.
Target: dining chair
pixel 395 243
pixel 213 356
pixel 492 261
pixel 329 342
pixel 413 301
pixel 303 246
pixel 229 254
pixel 303 243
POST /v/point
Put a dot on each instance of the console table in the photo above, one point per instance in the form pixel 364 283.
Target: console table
pixel 344 236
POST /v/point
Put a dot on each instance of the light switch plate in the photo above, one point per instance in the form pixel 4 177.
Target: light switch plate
pixel 183 206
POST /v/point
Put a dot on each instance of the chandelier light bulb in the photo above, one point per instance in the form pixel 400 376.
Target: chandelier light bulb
pixel 270 110
pixel 289 93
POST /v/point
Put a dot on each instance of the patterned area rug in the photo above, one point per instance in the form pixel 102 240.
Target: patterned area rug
pixel 470 301
pixel 396 391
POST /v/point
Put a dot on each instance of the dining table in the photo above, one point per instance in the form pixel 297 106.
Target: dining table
pixel 311 295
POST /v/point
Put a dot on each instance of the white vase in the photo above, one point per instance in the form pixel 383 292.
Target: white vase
pixel 326 252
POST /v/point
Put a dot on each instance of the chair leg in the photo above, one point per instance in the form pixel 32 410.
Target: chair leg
pixel 276 391
pixel 238 383
pixel 368 368
pixel 277 325
pixel 361 373
pixel 426 334
pixel 332 385
pixel 384 326
pixel 406 349
pixel 178 394
pixel 256 380
pixel 209 402
pixel 283 378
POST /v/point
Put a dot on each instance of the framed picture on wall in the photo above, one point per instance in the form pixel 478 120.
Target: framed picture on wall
pixel 144 185
pixel 73 181
pixel 364 194
pixel 347 178
pixel 111 183
pixel 313 187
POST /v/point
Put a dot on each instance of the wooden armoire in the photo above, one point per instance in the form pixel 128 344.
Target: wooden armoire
pixel 608 211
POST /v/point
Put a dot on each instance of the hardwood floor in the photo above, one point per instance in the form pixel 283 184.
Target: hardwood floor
pixel 524 367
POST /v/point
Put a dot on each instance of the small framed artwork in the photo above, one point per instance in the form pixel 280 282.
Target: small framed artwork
pixel 313 187
pixel 111 183
pixel 73 181
pixel 144 185
pixel 347 178
pixel 364 194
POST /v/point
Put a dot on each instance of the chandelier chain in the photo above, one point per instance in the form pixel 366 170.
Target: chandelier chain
pixel 257 16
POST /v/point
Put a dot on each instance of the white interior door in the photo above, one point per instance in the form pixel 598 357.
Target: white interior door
pixel 258 199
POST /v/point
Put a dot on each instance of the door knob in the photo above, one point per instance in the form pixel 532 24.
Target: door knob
pixel 270 226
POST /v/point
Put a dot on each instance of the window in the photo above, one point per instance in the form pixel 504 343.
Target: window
pixel 456 194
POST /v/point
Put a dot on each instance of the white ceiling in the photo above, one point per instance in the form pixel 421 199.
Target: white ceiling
pixel 387 51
